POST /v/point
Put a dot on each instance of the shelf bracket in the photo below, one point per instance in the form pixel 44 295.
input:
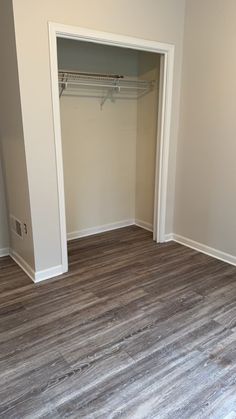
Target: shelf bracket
pixel 110 94
pixel 63 85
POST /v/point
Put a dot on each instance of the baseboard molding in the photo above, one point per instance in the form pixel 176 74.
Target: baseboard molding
pixel 48 273
pixel 99 229
pixel 37 276
pixel 144 225
pixel 58 270
pixel 210 251
pixel 4 252
pixel 169 237
pixel 22 263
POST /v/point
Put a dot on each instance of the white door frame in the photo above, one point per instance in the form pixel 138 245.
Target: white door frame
pixel 164 116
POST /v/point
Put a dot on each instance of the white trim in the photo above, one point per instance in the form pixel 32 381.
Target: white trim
pixel 108 227
pixel 108 38
pixel 99 229
pixel 169 237
pixel 210 251
pixel 35 276
pixel 167 76
pixel 4 252
pixel 48 273
pixel 22 263
pixel 58 145
pixel 144 225
pixel 159 128
pixel 202 248
pixel 105 38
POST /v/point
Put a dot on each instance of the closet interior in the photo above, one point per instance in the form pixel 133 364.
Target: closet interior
pixel 109 110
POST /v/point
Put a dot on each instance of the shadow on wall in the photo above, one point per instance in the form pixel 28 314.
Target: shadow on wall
pixel 4 237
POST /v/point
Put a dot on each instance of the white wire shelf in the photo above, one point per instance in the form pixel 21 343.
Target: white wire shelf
pixel 102 85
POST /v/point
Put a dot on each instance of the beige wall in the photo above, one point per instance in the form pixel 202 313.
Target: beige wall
pixel 99 149
pixel 204 198
pixel 4 235
pixel 162 20
pixel 12 139
pixel 206 175
pixel 99 145
pixel 149 69
pixel 109 154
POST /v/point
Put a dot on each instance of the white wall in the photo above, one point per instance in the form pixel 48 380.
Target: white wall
pixel 206 175
pixel 162 20
pixel 4 236
pixel 12 139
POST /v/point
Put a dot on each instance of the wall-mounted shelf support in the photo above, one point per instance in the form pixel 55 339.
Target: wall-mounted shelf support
pixel 104 86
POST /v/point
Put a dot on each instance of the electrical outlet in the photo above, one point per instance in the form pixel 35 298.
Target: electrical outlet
pixel 25 228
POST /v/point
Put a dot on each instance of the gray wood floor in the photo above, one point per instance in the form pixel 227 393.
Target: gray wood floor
pixel 135 330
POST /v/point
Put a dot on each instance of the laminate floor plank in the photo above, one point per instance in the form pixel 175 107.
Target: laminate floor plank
pixel 134 329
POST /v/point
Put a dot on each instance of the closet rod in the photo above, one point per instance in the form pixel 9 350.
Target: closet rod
pixel 70 81
pixel 101 80
pixel 86 74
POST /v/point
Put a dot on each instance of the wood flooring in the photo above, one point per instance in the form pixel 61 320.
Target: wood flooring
pixel 134 330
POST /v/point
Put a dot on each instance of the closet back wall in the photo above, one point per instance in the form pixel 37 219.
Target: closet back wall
pixel 99 145
pixel 110 154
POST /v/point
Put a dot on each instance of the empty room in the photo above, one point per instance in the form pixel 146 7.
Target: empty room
pixel 117 209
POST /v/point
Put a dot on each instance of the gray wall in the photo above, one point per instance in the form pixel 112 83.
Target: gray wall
pixel 85 56
pixel 12 137
pixel 206 168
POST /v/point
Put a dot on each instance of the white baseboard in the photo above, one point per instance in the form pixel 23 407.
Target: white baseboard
pixel 144 225
pixel 210 251
pixel 22 263
pixel 37 276
pixel 48 273
pixel 4 252
pixel 99 229
pixel 169 237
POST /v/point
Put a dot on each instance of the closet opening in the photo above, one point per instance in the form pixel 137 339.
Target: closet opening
pixel 109 114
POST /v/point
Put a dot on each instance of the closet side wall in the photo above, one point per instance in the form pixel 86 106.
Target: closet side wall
pixel 12 140
pixel 99 146
pixel 149 69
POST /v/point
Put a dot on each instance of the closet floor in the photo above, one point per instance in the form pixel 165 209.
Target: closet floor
pixel 134 330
